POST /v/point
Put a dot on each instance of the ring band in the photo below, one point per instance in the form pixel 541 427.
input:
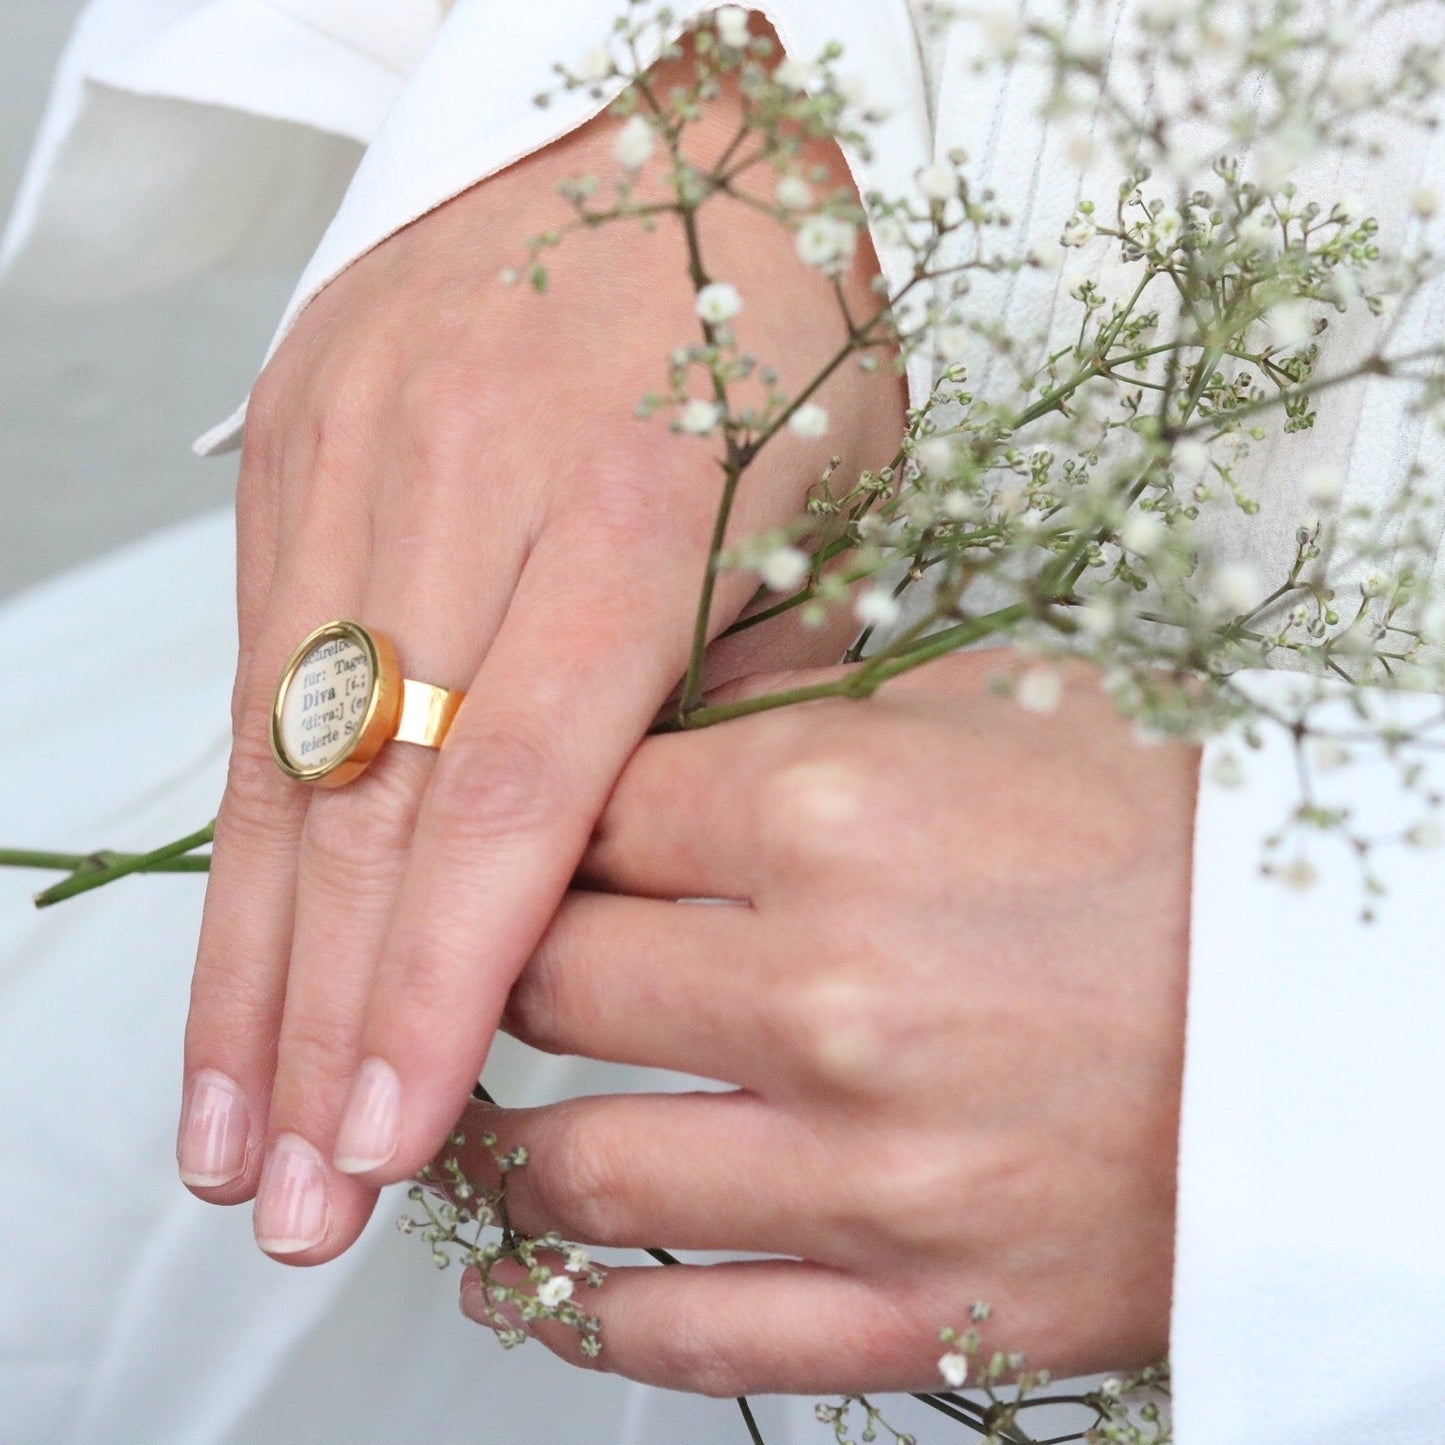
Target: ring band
pixel 341 696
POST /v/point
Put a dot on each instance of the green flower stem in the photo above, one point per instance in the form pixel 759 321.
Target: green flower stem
pixel 94 870
pixel 864 680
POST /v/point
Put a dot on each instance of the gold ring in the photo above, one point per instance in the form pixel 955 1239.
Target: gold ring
pixel 341 696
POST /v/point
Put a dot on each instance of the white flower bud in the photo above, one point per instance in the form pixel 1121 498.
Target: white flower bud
pixel 552 1292
pixel 699 417
pixel 794 193
pixel 1425 834
pixel 876 607
pixel 1299 874
pixel 596 64
pixel 784 569
pixel 732 26
pixel 1425 202
pixel 935 456
pixel 1323 484
pixel 1039 689
pixel 794 75
pixel 952 342
pixel 958 506
pixel 718 302
pixel 1079 232
pixel 1236 587
pixel 938 182
pixel 826 242
pixel 1289 324
pixel 810 421
pixel 1143 533
pixel 954 1368
pixel 633 146
pixel 1191 458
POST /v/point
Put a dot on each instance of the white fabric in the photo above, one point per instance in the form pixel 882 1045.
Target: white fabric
pixel 1308 1283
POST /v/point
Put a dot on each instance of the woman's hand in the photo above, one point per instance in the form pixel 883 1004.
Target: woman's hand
pixel 458 464
pixel 953 1005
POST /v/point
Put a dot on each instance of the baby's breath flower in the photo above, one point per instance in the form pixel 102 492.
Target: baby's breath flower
pixel 633 146
pixel 1002 29
pixel 1425 202
pixel 954 1368
pixel 732 26
pixel 1289 324
pixel 795 75
pixel 1079 232
pixel 554 1290
pixel 784 568
pixel 578 1259
pixel 1039 690
pixel 794 193
pixel 1425 834
pixel 958 506
pixel 826 242
pixel 952 342
pixel 1143 533
pixel 1299 874
pixel 719 302
pixel 596 64
pixel 1191 457
pixel 1323 484
pixel 699 417
pixel 1226 771
pixel 935 456
pixel 810 421
pixel 938 182
pixel 1236 587
pixel 876 607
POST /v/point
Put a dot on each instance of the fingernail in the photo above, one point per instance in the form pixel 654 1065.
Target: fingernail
pixel 371 1124
pixel 211 1142
pixel 291 1205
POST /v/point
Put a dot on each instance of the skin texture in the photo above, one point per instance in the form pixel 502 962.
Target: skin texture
pixel 457 463
pixel 952 1008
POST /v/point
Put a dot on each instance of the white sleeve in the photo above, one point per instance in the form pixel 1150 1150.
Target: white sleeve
pixel 187 134
pixel 469 111
pixel 1309 1296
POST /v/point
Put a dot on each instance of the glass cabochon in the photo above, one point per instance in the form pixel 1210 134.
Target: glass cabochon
pixel 325 703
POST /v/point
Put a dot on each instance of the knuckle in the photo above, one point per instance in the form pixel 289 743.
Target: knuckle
pixel 496 783
pixel 315 1045
pixel 255 804
pixel 581 1184
pixel 811 810
pixel 841 1030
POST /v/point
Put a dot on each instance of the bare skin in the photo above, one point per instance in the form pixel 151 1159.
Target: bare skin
pixel 953 1010
pixel 457 463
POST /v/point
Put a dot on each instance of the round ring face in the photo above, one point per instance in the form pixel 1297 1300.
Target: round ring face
pixel 325 701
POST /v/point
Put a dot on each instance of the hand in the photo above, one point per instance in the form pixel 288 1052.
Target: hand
pixel 954 1010
pixel 457 463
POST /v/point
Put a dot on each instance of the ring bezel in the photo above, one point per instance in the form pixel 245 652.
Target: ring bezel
pixel 377 724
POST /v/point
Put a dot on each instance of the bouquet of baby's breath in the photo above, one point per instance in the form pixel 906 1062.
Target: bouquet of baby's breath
pixel 1085 491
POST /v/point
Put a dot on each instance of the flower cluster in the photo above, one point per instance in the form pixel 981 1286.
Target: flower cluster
pixel 1085 491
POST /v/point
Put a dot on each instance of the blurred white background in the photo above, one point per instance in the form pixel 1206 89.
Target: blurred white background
pixel 99 404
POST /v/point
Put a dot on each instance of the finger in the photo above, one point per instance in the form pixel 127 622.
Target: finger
pixel 674 1171
pixel 680 822
pixel 567 689
pixel 239 981
pixel 354 846
pixel 662 985
pixel 758 1327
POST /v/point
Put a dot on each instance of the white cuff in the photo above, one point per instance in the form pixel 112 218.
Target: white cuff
pixel 1309 1297
pixel 469 112
pixel 185 134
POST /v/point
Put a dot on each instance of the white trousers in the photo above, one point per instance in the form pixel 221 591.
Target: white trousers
pixel 130 1313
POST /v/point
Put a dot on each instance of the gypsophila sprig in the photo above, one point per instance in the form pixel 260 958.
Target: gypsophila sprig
pixel 1083 486
pixel 461 1221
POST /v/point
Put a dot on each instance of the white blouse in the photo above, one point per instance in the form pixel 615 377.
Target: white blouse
pixel 1309 1300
